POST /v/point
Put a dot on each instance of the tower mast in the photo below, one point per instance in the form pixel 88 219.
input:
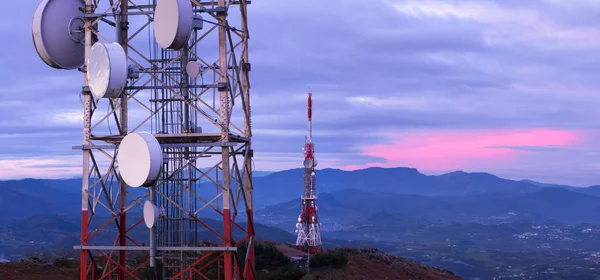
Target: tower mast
pixel 308 226
pixel 166 134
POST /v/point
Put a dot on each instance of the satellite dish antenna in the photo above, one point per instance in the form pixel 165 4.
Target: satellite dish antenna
pixel 107 70
pixel 151 214
pixel 57 32
pixel 308 163
pixel 140 159
pixel 316 163
pixel 193 69
pixel 298 225
pixel 173 23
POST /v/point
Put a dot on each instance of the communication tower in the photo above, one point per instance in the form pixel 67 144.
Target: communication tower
pixel 166 134
pixel 308 226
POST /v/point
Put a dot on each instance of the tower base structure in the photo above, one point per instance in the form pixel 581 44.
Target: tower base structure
pixel 309 238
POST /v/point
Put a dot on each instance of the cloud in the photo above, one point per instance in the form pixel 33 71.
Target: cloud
pixel 446 150
pixel 68 117
pixel 42 167
pixel 481 75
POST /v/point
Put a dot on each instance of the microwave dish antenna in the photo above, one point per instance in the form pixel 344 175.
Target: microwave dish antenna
pixel 107 70
pixel 308 163
pixel 173 23
pixel 140 159
pixel 192 69
pixel 151 214
pixel 57 32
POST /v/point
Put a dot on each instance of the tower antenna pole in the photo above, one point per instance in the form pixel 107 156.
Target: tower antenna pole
pixel 121 36
pixel 87 118
pixel 308 226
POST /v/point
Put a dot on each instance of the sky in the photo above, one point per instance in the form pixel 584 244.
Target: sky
pixel 508 87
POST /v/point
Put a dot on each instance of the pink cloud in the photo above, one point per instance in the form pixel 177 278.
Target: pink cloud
pixel 574 89
pixel 41 167
pixel 451 150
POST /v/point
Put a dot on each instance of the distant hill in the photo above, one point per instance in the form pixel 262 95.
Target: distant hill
pixel 279 186
pixel 50 231
pixel 261 173
pixel 544 184
pixel 457 220
pixel 276 187
pixel 346 206
pixel 546 204
pixel 23 198
pixel 344 194
pixel 592 190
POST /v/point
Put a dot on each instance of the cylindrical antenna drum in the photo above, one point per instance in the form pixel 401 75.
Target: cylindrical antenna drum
pixel 107 70
pixel 140 159
pixel 151 214
pixel 173 23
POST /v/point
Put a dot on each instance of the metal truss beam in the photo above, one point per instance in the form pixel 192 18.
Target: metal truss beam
pixel 206 171
pixel 160 248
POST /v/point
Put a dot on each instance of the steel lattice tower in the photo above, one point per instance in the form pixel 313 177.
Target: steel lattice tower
pixel 199 122
pixel 308 226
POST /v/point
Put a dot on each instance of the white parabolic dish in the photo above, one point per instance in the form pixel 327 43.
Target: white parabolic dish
pixel 192 69
pixel 173 23
pixel 151 214
pixel 140 159
pixel 55 31
pixel 107 70
pixel 308 163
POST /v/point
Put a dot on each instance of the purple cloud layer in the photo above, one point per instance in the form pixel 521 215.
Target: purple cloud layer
pixel 378 71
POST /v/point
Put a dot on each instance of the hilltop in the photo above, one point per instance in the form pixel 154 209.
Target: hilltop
pixel 271 263
pixel 369 263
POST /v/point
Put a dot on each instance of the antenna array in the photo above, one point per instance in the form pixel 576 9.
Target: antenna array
pixel 166 133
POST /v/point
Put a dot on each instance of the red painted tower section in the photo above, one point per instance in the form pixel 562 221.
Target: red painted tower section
pixel 308 226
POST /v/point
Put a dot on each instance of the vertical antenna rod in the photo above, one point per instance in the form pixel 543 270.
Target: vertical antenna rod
pixel 309 140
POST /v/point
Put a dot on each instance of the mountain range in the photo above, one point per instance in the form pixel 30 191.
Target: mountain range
pixel 456 196
pixel 459 215
pixel 276 187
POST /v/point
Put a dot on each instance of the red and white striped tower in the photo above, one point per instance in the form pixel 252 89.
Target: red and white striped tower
pixel 308 227
pixel 191 143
